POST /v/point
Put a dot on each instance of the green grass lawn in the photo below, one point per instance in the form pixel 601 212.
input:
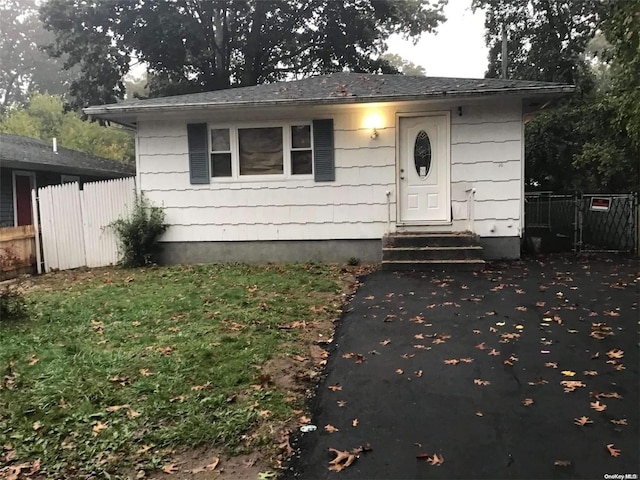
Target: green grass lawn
pixel 115 368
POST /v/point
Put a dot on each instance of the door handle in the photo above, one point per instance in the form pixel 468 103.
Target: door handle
pixel 401 177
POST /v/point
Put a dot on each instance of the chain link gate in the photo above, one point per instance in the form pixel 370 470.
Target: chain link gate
pixel 582 223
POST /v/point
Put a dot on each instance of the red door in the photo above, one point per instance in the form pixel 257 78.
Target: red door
pixel 23 199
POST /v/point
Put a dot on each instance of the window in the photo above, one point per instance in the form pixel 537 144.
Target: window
pixel 261 151
pixel 220 153
pixel 301 153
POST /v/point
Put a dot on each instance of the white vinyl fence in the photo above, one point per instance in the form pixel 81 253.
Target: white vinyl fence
pixel 74 223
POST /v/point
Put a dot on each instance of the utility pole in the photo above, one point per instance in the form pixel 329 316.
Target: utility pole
pixel 504 51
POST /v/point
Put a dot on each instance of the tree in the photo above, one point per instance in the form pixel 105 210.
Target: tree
pixel 622 30
pixel 403 65
pixel 546 38
pixel 44 118
pixel 200 45
pixel 26 68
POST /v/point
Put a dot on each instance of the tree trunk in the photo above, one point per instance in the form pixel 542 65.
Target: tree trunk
pixel 253 50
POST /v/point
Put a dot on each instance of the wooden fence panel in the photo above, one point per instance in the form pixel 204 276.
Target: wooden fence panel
pixel 62 235
pixel 17 251
pixel 75 223
pixel 102 203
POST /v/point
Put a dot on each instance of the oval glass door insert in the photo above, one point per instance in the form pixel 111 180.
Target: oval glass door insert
pixel 422 154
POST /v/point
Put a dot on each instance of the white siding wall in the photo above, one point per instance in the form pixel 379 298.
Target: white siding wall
pixel 485 155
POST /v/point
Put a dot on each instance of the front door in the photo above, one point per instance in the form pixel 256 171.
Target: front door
pixel 424 170
pixel 23 186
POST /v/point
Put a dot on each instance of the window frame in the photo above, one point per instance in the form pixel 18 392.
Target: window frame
pixel 287 148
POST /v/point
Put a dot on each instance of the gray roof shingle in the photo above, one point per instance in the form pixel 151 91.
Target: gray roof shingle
pixel 341 87
pixel 16 151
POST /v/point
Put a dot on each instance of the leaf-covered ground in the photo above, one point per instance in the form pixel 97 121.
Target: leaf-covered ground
pixel 526 370
pixel 122 372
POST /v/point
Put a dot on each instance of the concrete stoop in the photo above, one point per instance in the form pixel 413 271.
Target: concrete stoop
pixel 432 252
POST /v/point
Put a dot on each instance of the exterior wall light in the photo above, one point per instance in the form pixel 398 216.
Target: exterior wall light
pixel 374 134
pixel 372 122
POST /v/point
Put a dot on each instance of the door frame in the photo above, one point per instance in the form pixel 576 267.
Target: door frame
pixel 433 113
pixel 22 173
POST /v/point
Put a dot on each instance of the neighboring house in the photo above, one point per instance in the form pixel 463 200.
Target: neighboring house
pixel 27 163
pixel 323 168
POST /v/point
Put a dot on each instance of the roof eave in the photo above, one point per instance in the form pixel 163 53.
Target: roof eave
pixel 106 111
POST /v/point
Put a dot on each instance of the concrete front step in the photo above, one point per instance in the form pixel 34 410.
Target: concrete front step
pixel 407 240
pixel 469 252
pixel 434 265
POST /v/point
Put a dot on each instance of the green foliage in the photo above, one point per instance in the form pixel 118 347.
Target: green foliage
pixel 225 43
pixel 26 68
pixel 12 305
pixel 353 261
pixel 578 146
pixel 546 38
pixel 622 30
pixel 44 118
pixel 139 233
pixel 403 65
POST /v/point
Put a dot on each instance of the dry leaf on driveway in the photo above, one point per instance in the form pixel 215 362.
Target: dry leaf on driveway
pixel 527 402
pixel 482 383
pixel 331 429
pixel 343 460
pixel 435 459
pixel 614 452
pixel 598 407
pixel 582 421
pixel 615 353
pixel 622 421
pixel 335 388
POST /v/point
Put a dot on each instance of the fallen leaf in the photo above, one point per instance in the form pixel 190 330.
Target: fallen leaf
pixel 622 421
pixel 527 402
pixel 98 427
pixel 343 460
pixel 419 336
pixel 179 399
pixel 590 373
pixel 436 460
pixel 482 383
pixel 299 358
pixel 214 463
pixel 143 449
pixel 582 421
pixel 418 373
pixel 355 422
pixel 170 468
pixel 37 425
pixel 571 385
pixel 562 463
pixel 335 388
pixel 33 360
pixel 115 408
pixel 494 352
pixel 264 413
pixel 348 355
pixel 477 332
pixel 453 361
pixel 341 403
pixel 145 372
pixel 598 407
pixel 197 388
pixel 614 452
pixel 479 414
pixel 399 371
pixel 615 353
pixel 331 429
pixel 385 342
pixel 568 373
pixel 540 304
pixel 466 360
pixel 615 395
pixel 481 346
pixel 551 364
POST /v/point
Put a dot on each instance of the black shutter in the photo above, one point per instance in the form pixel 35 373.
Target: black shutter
pixel 323 161
pixel 198 153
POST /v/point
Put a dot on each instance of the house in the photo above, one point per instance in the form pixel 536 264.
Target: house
pixel 27 163
pixel 323 168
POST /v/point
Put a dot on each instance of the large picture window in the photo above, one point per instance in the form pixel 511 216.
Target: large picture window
pixel 260 151
pixel 269 151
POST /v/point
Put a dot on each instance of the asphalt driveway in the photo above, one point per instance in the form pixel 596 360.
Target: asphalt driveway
pixel 469 366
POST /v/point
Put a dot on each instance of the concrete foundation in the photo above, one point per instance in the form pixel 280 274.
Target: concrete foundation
pixel 498 248
pixel 277 251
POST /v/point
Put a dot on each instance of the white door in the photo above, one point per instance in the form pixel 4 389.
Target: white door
pixel 424 170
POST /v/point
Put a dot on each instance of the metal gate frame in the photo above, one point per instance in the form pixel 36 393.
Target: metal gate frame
pixel 615 230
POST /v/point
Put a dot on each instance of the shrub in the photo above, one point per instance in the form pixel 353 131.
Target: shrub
pixel 12 305
pixel 354 261
pixel 138 234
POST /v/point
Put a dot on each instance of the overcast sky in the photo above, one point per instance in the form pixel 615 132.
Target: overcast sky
pixel 457 49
